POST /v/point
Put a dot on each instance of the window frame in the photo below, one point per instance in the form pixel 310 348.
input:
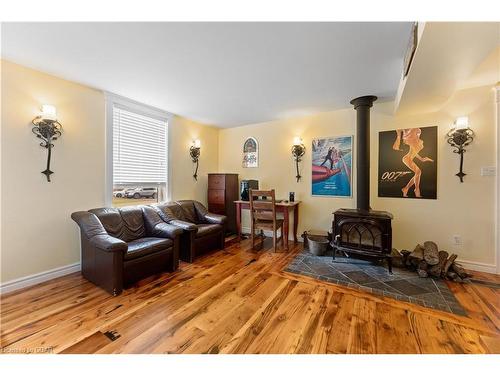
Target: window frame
pixel 131 105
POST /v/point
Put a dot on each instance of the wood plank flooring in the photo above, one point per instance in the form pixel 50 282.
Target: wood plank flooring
pixel 240 301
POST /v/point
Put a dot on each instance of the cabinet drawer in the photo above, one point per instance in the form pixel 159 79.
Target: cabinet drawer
pixel 216 196
pixel 216 181
pixel 216 209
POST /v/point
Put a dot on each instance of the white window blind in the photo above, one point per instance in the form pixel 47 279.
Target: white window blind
pixel 139 148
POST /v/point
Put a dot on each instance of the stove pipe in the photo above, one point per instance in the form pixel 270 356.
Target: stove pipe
pixel 362 106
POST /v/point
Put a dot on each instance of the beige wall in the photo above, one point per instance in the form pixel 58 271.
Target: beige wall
pixel 37 232
pixel 182 132
pixel 465 209
pixel 38 235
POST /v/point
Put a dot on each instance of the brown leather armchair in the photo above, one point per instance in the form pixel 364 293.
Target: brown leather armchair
pixel 123 245
pixel 202 230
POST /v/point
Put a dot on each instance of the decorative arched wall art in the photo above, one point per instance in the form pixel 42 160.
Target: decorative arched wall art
pixel 250 153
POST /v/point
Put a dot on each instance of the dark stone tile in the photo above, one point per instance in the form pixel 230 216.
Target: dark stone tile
pixel 338 276
pixel 389 294
pixel 403 298
pixel 449 298
pixel 458 311
pixel 320 269
pixel 385 277
pixel 343 267
pixel 406 287
pixel 424 283
pixel 374 278
pixel 432 297
pixel 360 277
pixel 366 289
pixel 429 304
pixel 443 308
pixel 381 286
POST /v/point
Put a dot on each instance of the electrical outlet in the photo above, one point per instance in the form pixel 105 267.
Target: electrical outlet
pixel 457 240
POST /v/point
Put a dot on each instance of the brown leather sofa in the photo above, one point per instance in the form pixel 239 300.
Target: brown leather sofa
pixel 123 245
pixel 202 230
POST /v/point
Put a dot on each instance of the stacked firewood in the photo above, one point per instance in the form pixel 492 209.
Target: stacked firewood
pixel 427 260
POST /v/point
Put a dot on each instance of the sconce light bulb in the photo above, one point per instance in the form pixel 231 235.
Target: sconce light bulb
pixel 461 123
pixel 48 112
pixel 196 143
pixel 297 141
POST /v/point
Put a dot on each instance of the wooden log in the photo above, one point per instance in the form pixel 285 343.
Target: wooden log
pixel 422 269
pixel 459 270
pixel 436 269
pixel 405 254
pixel 452 276
pixel 422 273
pixel 397 259
pixel 417 253
pixel 448 264
pixel 431 253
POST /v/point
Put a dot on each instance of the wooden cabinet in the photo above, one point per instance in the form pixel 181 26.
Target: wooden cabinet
pixel 222 192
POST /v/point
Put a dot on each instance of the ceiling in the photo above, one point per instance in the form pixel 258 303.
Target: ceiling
pixel 449 56
pixel 224 74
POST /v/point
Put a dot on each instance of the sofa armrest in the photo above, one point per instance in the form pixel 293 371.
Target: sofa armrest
pixel 184 225
pixel 92 228
pixel 89 224
pixel 108 243
pixel 215 219
pixel 165 230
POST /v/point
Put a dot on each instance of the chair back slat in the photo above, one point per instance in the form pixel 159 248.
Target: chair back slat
pixel 263 193
pixel 262 209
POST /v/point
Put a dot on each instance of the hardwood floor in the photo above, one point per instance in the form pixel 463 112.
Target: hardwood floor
pixel 240 301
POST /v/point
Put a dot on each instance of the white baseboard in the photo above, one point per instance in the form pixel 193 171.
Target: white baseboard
pixel 38 278
pixel 478 266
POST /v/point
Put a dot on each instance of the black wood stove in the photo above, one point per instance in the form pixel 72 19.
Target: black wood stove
pixel 363 231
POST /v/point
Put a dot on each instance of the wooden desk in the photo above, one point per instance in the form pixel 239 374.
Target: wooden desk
pixel 282 207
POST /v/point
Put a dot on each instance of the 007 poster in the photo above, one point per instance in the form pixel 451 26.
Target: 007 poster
pixel 331 166
pixel 407 163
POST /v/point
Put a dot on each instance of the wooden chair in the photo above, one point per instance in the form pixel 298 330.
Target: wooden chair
pixel 263 215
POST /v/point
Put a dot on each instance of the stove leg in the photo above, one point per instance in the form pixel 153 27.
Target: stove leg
pixel 389 263
pixel 334 251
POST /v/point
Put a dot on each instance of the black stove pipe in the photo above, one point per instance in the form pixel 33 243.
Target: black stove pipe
pixel 362 106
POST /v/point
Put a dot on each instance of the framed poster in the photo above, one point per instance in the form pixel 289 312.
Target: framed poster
pixel 250 153
pixel 331 166
pixel 407 163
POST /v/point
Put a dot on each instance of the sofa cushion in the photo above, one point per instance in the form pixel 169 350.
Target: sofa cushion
pixel 190 213
pixel 208 229
pixel 133 222
pixel 147 245
pixel 111 221
pixel 125 223
pixel 169 211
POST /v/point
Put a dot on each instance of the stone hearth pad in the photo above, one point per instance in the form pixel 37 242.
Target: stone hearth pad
pixel 373 277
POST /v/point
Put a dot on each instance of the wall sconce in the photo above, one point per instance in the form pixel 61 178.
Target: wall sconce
pixel 298 150
pixel 48 129
pixel 194 152
pixel 459 137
